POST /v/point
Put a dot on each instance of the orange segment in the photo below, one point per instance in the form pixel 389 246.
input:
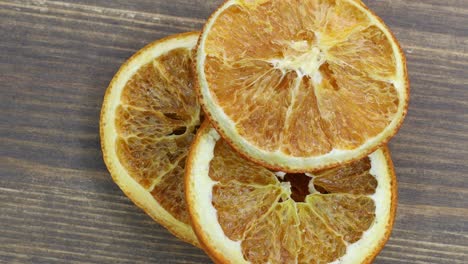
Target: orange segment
pixel 169 192
pixel 320 244
pixel 146 159
pixel 227 166
pixel 163 85
pixel 256 202
pixel 368 51
pixel 353 90
pixel 346 214
pixel 274 238
pixel 237 43
pixel 145 124
pixel 337 20
pixel 305 121
pixel 149 119
pixel 353 179
pixel 354 108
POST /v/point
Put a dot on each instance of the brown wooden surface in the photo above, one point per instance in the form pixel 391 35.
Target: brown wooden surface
pixel 58 203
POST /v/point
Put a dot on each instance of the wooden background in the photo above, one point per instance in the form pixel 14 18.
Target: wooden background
pixel 58 203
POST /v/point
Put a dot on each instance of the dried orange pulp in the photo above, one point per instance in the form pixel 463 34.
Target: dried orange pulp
pixel 301 85
pixel 245 213
pixel 148 121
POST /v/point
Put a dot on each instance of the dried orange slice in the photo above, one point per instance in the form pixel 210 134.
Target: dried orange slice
pixel 148 121
pixel 244 213
pixel 300 85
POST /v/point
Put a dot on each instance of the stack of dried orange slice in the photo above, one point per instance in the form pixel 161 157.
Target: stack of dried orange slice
pixel 290 165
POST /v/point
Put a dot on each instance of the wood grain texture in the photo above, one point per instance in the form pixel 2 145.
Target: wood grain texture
pixel 58 203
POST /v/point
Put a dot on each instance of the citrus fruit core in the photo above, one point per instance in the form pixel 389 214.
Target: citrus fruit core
pixel 299 184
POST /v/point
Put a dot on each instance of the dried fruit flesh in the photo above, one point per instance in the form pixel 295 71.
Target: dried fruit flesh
pixel 301 85
pixel 148 121
pixel 245 213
